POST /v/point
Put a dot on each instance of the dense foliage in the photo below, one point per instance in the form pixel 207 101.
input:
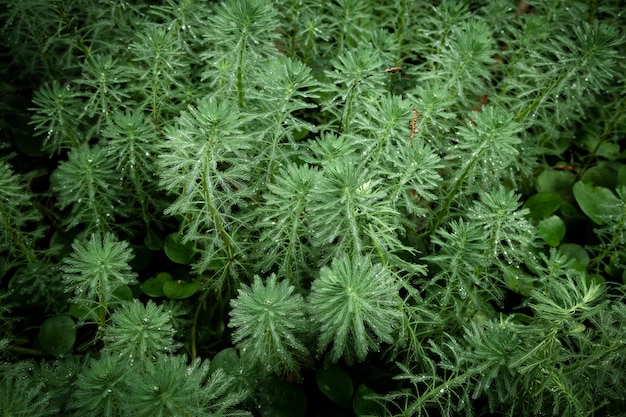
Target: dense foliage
pixel 306 207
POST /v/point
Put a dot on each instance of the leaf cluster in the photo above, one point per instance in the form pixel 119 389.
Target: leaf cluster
pixel 419 205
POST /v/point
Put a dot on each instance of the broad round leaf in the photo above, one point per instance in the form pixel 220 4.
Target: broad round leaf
pixel 577 252
pixel 82 312
pixel 364 406
pixel 57 335
pixel 552 180
pixel 153 240
pixel 154 286
pixel 180 289
pixel 552 230
pixel 336 385
pixel 123 293
pixel 228 360
pixel 603 174
pixel 542 205
pixel 596 202
pixel 176 250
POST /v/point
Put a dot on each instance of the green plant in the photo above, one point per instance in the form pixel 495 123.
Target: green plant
pixel 269 321
pixel 163 386
pixel 418 205
pixel 96 272
pixel 20 395
pixel 137 330
pixel 357 306
pixel 19 218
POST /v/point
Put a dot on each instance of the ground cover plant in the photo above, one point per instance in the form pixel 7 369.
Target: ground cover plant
pixel 312 208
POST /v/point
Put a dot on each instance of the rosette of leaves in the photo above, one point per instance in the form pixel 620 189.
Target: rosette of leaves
pixel 167 386
pixel 284 240
pixel 171 386
pixel 101 387
pixel 95 270
pixel 205 166
pixel 19 219
pixel 356 305
pixel 243 32
pixel 139 330
pixel 57 108
pixel 507 231
pixel 269 321
pixel 89 185
pixel 351 212
pixel 20 394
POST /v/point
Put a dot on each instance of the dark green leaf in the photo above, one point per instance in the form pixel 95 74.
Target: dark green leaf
pixel 552 180
pixel 179 289
pixel 576 252
pixel 603 174
pixel 608 150
pixel 621 175
pixel 57 335
pixel 542 205
pixel 552 230
pixel 153 240
pixel 123 293
pixel 62 242
pixel 81 312
pixel 365 407
pixel 228 360
pixel 154 286
pixel 283 400
pixel 568 211
pixel 176 250
pixel 595 202
pixel 336 384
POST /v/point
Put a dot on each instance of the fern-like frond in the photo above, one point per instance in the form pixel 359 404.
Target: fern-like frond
pixel 96 269
pixel 90 186
pixel 356 305
pixel 270 322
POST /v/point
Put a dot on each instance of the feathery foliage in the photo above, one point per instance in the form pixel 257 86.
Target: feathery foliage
pixel 357 306
pixel 269 321
pixel 95 270
pixel 19 219
pixel 139 331
pixel 418 205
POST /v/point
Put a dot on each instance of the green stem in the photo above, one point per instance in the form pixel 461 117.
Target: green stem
pixel 194 325
pixel 239 70
pixel 25 351
pixel 615 242
pixel 102 310
pixel 456 186
pixel 346 114
pixel 19 244
pixel 353 225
